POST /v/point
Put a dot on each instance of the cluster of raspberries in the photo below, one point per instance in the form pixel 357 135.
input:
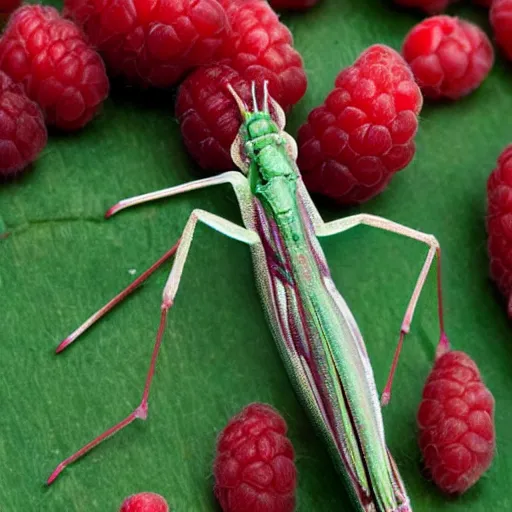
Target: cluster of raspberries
pixel 49 75
pixel 352 145
pixel 61 62
pixel 349 148
pixel 53 72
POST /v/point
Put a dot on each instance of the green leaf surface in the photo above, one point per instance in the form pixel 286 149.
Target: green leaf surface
pixel 62 261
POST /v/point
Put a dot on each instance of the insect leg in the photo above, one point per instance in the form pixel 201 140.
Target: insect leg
pixel 223 226
pixel 214 221
pixel 241 187
pixel 340 225
pixel 116 300
pixel 237 180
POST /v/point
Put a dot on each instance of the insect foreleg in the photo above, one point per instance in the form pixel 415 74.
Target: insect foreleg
pixel 340 225
pixel 224 226
pixel 242 191
pixel 237 180
pixel 218 223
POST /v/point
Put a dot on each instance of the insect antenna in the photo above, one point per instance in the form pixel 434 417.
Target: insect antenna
pixel 239 101
pixel 254 100
pixel 265 96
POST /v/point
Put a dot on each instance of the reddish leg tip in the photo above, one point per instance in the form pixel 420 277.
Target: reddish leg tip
pixel 111 211
pixel 54 475
pixel 385 398
pixel 63 344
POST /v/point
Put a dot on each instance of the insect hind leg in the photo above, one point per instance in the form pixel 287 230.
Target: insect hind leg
pixel 219 224
pixel 340 225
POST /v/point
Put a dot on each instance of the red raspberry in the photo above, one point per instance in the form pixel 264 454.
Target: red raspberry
pixel 208 115
pixel 152 42
pixel 456 422
pixel 260 48
pixel 254 469
pixel 501 21
pixel 22 129
pixel 448 56
pixel 499 224
pixel 144 502
pixel 292 4
pixel 351 146
pixel 59 71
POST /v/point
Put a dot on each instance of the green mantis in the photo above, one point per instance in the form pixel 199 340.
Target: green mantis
pixel 317 335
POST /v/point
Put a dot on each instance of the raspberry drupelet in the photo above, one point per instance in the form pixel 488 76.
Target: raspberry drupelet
pixel 456 423
pixel 449 57
pixel 254 469
pixel 58 69
pixel 499 224
pixel 22 129
pixel 152 42
pixel 261 48
pixel 501 22
pixel 352 145
pixel 144 502
pixel 208 115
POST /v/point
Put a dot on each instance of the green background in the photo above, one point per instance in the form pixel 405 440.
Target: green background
pixel 63 261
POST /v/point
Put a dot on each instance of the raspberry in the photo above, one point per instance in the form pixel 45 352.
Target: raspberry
pixel 144 502
pixel 152 42
pixel 428 6
pixel 260 48
pixel 456 422
pixel 351 146
pixel 292 4
pixel 499 224
pixel 208 115
pixel 448 56
pixel 501 22
pixel 254 469
pixel 57 68
pixel 22 129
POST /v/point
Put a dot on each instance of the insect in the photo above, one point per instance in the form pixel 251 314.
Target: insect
pixel 316 333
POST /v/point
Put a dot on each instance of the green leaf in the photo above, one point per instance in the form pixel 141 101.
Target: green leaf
pixel 62 261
